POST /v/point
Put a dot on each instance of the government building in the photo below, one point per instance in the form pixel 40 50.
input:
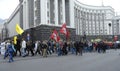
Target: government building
pixel 40 17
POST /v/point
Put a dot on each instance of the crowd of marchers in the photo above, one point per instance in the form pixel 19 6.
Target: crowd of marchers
pixel 48 47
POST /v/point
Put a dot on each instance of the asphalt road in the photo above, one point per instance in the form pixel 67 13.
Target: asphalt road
pixel 109 61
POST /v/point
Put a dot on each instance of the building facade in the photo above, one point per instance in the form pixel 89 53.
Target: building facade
pixel 116 25
pixel 93 20
pixel 39 17
pixel 54 12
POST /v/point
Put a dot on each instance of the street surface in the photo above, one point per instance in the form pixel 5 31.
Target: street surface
pixel 110 61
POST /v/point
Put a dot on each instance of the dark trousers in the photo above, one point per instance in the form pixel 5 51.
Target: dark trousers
pixel 38 51
pixel 79 50
pixel 18 50
pixel 31 50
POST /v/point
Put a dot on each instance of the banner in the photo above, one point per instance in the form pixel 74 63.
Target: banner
pixel 63 30
pixel 55 36
pixel 18 29
pixel 15 40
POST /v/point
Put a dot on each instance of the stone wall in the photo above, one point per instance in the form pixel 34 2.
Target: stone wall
pixel 43 32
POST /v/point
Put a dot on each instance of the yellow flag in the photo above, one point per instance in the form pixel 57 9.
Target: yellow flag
pixel 18 29
pixel 15 39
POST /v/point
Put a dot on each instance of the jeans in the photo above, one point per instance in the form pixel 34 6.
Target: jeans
pixel 59 52
pixel 23 52
pixel 73 50
pixel 11 57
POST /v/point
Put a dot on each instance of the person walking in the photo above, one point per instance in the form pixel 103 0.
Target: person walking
pixel 37 47
pixel 30 47
pixel 44 48
pixel 76 44
pixel 6 49
pixel 18 47
pixel 72 47
pixel 80 48
pixel 23 48
pixel 64 49
pixel 10 50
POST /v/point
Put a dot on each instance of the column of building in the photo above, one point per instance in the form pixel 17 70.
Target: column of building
pixel 71 9
pixel 21 13
pixel 56 12
pixel 25 15
pixel 43 7
pixel 37 12
pixel 63 11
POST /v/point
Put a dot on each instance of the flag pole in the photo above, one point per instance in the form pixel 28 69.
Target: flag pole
pixel 102 3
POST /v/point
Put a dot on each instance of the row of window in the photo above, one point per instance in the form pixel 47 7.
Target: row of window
pixel 91 17
pixel 37 12
pixel 91 33
pixel 51 11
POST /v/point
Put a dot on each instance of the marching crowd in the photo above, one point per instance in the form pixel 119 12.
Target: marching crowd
pixel 43 48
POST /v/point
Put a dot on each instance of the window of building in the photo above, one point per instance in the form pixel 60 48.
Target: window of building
pixel 48 5
pixel 35 3
pixel 36 13
pixel 48 13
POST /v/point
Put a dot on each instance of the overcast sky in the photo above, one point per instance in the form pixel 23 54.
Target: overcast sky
pixel 8 6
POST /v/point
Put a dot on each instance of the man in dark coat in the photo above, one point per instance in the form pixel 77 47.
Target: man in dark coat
pixel 30 46
pixel 80 45
pixel 18 47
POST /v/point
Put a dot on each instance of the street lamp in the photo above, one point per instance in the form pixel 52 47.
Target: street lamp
pixel 109 27
pixel 84 36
